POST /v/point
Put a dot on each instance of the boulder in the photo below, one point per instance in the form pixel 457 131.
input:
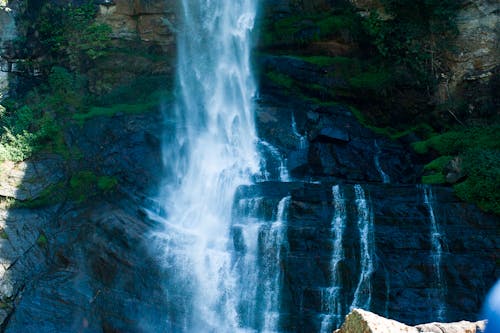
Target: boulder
pixel 361 321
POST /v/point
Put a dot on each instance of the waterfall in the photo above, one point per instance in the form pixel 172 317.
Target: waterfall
pixel 331 298
pixel 363 292
pixel 274 240
pixel 436 253
pixel 385 177
pixel 295 131
pixel 258 247
pixel 274 165
pixel 207 156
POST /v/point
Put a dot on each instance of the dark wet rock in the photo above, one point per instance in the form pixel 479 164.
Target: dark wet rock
pixel 99 279
pixel 331 134
pixel 403 282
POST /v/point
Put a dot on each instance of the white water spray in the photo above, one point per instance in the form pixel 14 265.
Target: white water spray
pixel 213 153
pixel 437 252
pixel 363 293
pixel 331 297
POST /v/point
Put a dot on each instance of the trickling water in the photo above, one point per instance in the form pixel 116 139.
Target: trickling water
pixel 302 138
pixel 274 241
pixel 331 298
pixel 385 177
pixel 437 253
pixel 259 245
pixel 210 154
pixel 363 293
pixel 275 158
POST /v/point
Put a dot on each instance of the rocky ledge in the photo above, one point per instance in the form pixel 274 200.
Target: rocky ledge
pixel 361 321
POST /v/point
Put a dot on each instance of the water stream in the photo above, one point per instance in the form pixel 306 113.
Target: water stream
pixel 436 253
pixel 363 292
pixel 332 302
pixel 211 152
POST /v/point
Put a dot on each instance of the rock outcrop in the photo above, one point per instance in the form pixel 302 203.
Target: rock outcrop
pixel 403 283
pixel 361 321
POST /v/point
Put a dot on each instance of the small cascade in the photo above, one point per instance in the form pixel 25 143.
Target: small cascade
pixel 363 292
pixel 436 253
pixel 273 165
pixel 302 138
pixel 274 241
pixel 331 297
pixel 258 250
pixel 385 177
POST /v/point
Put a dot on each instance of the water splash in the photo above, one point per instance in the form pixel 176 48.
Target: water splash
pixel 275 165
pixel 210 153
pixel 363 292
pixel 331 297
pixel 436 253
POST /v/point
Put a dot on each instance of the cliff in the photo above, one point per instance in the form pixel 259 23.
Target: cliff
pixel 83 163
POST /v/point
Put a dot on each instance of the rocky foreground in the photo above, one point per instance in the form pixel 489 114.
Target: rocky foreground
pixel 361 321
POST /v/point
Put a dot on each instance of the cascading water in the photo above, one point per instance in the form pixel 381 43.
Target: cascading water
pixel 258 246
pixel 210 154
pixel 331 297
pixel 274 241
pixel 385 177
pixel 363 292
pixel 437 253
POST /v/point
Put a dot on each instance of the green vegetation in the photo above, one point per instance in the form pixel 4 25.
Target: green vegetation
pixel 86 184
pixel 42 240
pixel 70 34
pixel 3 234
pixel 280 79
pixel 479 151
pixel 298 30
pixel 482 167
pixel 106 183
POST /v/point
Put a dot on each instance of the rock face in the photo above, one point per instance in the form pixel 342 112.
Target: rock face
pixel 400 280
pixel 27 180
pixel 148 21
pixel 474 60
pixel 360 321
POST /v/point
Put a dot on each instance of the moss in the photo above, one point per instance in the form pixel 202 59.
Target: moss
pixel 107 183
pixel 374 80
pixel 3 234
pixel 53 194
pixel 42 240
pixel 436 178
pixel 99 111
pixel 438 164
pixel 482 167
pixel 83 185
pixel 280 79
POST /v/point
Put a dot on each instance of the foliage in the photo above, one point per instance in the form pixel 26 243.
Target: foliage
pixel 23 132
pixel 71 36
pixel 482 185
pixel 415 32
pixel 374 80
pixel 302 29
pixel 479 149
pixel 457 141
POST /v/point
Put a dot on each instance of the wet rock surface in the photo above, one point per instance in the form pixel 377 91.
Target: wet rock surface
pixel 403 282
